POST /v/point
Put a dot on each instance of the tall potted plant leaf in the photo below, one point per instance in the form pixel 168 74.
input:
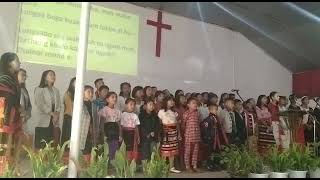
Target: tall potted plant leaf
pixel 279 163
pixel 301 159
pixel 314 165
pixel 157 167
pixel 256 166
pixel 124 168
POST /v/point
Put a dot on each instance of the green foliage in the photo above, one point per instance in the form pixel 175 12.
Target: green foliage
pixel 300 157
pixel 47 162
pixel 255 163
pixel 236 161
pixel 124 168
pixel 279 161
pixel 9 172
pixel 98 166
pixel 157 167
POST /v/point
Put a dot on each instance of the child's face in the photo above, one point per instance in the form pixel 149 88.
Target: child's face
pixel 149 92
pixel 214 100
pixel 103 93
pixel 230 105
pixel 305 101
pixel 99 84
pixel 88 95
pixel 276 97
pixel 150 106
pixel 238 106
pixel 213 110
pixel 170 103
pixel 126 89
pixel 183 100
pixel 199 97
pixel 139 94
pixel 22 76
pixel 193 105
pixel 112 100
pixel 282 102
pixel 205 97
pixel 131 106
pixel 160 97
pixel 154 90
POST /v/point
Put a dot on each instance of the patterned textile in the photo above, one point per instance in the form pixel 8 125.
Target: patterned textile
pixel 191 152
pixel 192 125
pixel 169 143
pixel 265 136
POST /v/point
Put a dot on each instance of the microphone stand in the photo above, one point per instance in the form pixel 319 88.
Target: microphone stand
pixel 314 123
pixel 239 95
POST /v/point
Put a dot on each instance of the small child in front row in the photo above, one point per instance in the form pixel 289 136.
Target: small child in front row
pixel 213 134
pixel 192 134
pixel 149 128
pixel 130 131
pixel 112 129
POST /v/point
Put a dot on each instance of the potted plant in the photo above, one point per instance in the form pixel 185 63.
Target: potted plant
pixel 98 166
pixel 124 168
pixel 235 161
pixel 301 159
pixel 314 165
pixel 47 162
pixel 279 163
pixel 256 167
pixel 157 167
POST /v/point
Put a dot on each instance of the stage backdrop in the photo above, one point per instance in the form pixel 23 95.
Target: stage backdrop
pixel 195 56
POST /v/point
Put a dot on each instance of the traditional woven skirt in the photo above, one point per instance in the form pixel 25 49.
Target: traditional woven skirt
pixel 265 138
pixel 169 143
pixel 131 143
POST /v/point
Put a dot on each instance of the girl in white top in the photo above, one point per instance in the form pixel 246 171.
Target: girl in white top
pixel 111 118
pixel 170 137
pixel 137 95
pixel 125 92
pixel 130 130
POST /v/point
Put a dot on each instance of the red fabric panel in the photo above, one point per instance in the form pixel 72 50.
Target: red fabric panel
pixel 302 83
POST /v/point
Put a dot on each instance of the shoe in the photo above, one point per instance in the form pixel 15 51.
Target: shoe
pixel 174 170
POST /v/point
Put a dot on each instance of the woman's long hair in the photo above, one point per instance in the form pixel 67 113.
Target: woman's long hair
pixel 43 82
pixel 71 88
pixel 5 60
pixel 121 87
pixel 165 103
pixel 259 101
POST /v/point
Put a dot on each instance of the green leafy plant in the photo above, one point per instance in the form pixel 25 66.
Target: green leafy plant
pixel 124 168
pixel 300 157
pixel 98 166
pixel 278 161
pixel 255 164
pixel 47 162
pixel 9 172
pixel 157 167
pixel 315 159
pixel 236 161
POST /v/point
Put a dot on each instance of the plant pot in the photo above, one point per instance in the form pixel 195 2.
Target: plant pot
pixel 278 175
pixel 298 174
pixel 315 173
pixel 254 175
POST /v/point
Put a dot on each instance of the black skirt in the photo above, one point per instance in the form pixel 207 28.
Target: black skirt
pixel 111 130
pixel 43 133
pixel 66 129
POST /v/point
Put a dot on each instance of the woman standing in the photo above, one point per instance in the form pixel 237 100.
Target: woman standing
pixel 47 110
pixel 265 136
pixel 9 108
pixel 68 109
pixel 25 112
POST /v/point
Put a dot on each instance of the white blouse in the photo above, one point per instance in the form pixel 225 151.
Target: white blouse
pixel 110 115
pixel 129 120
pixel 168 117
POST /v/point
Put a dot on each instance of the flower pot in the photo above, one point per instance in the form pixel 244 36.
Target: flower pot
pixel 315 173
pixel 298 174
pixel 254 175
pixel 278 175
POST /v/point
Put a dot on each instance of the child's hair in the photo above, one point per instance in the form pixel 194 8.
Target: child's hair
pixel 121 86
pixel 110 94
pixel 237 101
pixel 259 101
pixel 87 87
pixel 145 89
pixel 103 87
pixel 177 92
pixel 97 80
pixel 148 100
pixel 165 103
pixel 212 105
pixel 192 99
pixel 135 90
pixel 130 100
pixel 230 99
pixel 272 94
pixel 282 98
pixel 158 93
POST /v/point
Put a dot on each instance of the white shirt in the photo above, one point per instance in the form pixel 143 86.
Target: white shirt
pixel 110 115
pixel 129 120
pixel 204 112
pixel 305 116
pixel 226 120
pixel 168 117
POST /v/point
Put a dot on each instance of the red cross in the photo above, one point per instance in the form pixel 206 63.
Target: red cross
pixel 159 26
